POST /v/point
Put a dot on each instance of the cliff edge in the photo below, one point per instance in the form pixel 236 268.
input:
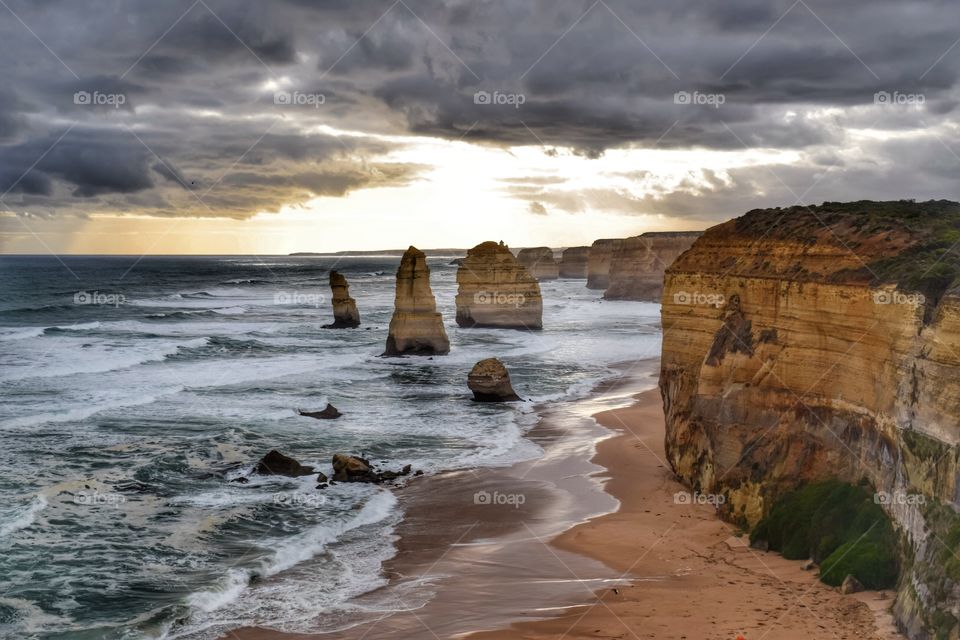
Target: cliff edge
pixel 823 342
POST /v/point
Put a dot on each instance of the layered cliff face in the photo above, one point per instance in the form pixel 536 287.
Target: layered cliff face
pixel 598 263
pixel 345 314
pixel 803 344
pixel 573 262
pixel 540 262
pixel 416 327
pixel 495 290
pixel 637 266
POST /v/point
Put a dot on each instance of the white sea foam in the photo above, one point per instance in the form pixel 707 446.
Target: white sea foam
pixel 24 517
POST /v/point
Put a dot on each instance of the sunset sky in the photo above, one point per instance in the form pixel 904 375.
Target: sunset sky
pixel 295 125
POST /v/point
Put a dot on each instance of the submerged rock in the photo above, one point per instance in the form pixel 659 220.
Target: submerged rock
pixel 573 262
pixel 416 327
pixel 345 314
pixel 329 412
pixel 540 262
pixel 490 382
pixel 278 464
pixel 495 290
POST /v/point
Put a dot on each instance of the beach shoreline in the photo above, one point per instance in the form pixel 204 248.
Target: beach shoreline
pixel 606 550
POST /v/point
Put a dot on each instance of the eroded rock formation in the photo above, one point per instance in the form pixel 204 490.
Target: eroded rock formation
pixel 347 468
pixel 540 262
pixel 490 382
pixel 573 262
pixel 598 263
pixel 804 344
pixel 345 314
pixel 278 464
pixel 329 412
pixel 494 290
pixel 637 265
pixel 416 327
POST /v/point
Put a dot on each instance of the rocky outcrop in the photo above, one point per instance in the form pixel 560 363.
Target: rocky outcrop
pixel 416 327
pixel 573 262
pixel 637 266
pixel 347 468
pixel 345 314
pixel 598 263
pixel 278 464
pixel 494 290
pixel 540 262
pixel 329 412
pixel 810 343
pixel 490 382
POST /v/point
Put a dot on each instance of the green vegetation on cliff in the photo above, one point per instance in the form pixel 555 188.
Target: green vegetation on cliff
pixel 838 525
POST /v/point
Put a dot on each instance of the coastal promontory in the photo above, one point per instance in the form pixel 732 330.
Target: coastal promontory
pixel 638 264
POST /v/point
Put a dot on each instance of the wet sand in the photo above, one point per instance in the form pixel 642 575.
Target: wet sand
pixel 590 542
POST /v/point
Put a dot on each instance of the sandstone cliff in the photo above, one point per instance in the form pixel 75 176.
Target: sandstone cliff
pixel 540 262
pixel 573 262
pixel 416 327
pixel 495 290
pixel 345 314
pixel 598 264
pixel 802 344
pixel 637 266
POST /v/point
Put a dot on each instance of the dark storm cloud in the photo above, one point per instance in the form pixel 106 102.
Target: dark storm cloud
pixel 570 74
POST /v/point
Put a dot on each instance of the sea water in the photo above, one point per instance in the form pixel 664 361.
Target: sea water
pixel 135 391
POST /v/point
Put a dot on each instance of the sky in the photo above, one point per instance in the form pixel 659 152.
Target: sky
pixel 241 127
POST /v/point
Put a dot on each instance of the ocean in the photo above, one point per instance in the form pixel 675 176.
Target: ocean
pixel 132 393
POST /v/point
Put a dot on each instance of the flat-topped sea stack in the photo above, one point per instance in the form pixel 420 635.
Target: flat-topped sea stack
pixel 573 262
pixel 637 266
pixel 416 327
pixel 540 262
pixel 495 290
pixel 345 314
pixel 598 264
pixel 811 345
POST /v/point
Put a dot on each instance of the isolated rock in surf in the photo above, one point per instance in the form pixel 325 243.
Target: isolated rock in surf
pixel 416 327
pixel 329 412
pixel 278 464
pixel 495 290
pixel 598 264
pixel 573 262
pixel 345 314
pixel 540 262
pixel 490 382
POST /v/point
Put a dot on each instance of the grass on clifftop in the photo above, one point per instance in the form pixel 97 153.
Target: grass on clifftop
pixel 931 266
pixel 840 527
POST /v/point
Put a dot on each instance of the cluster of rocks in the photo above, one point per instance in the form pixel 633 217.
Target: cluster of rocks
pixel 346 468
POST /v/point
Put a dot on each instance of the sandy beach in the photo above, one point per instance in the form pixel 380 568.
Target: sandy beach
pixel 601 547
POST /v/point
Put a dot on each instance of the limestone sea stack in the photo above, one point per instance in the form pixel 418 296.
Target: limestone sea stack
pixel 490 382
pixel 495 290
pixel 345 314
pixel 598 264
pixel 637 266
pixel 573 262
pixel 804 345
pixel 416 327
pixel 540 262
